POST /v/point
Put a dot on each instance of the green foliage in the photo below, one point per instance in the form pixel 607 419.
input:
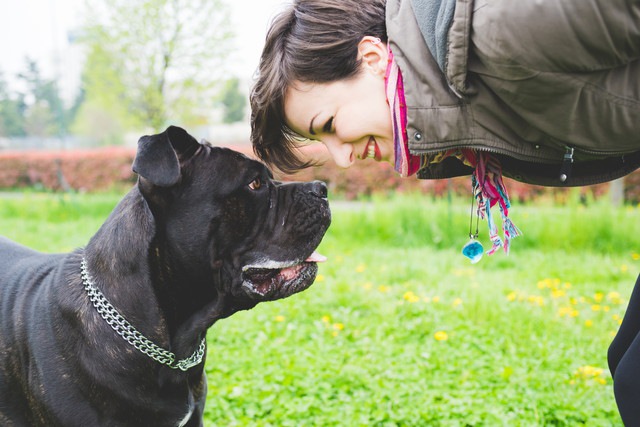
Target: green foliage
pixel 39 111
pixel 47 114
pixel 155 59
pixel 413 221
pixel 12 107
pixel 233 101
pixel 104 116
pixel 400 330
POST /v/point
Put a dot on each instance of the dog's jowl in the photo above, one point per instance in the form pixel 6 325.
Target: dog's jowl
pixel 113 334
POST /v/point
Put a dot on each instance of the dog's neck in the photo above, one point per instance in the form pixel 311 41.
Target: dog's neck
pixel 175 306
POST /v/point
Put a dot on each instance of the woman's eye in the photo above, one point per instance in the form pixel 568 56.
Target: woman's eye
pixel 327 126
pixel 255 184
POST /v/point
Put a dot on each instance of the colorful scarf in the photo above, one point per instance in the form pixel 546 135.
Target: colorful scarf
pixel 486 180
pixel 406 164
pixel 488 189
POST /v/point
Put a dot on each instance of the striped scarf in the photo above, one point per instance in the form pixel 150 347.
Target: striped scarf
pixel 486 180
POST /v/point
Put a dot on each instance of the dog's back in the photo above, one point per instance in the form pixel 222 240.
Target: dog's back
pixel 13 254
pixel 25 275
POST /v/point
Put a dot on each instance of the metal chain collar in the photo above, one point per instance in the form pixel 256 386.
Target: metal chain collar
pixel 131 334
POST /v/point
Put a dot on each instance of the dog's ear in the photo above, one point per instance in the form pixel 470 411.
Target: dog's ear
pixel 158 157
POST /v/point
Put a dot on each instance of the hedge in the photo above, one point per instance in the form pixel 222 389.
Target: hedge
pixel 101 169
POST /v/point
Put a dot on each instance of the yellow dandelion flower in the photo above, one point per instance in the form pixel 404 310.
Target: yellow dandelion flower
pixel 338 326
pixel 335 333
pixel 435 299
pixel 512 296
pixel 457 302
pixel 598 296
pixel 568 311
pixel 596 307
pixel 616 317
pixel 326 319
pixel 367 286
pixel 588 323
pixel 320 278
pixel 558 293
pixel 411 297
pixel 635 256
pixel 615 298
pixel 280 318
pixel 383 288
pixel 536 300
pixel 588 372
pixel 567 285
pixel 441 336
pixel 624 268
pixel 361 268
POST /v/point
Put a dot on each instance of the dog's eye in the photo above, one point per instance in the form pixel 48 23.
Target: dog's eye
pixel 255 184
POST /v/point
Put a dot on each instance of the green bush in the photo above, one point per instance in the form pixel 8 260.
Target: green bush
pixel 106 169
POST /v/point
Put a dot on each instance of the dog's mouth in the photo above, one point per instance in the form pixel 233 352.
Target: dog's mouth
pixel 271 280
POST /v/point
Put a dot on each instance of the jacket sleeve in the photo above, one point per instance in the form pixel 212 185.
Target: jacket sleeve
pixel 559 35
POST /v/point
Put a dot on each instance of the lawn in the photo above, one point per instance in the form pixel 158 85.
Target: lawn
pixel 401 330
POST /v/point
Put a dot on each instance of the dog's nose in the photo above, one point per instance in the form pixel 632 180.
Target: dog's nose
pixel 318 188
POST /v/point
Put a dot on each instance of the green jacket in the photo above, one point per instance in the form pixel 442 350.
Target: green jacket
pixel 550 87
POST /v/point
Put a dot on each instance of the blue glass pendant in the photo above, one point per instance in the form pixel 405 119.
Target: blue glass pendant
pixel 473 250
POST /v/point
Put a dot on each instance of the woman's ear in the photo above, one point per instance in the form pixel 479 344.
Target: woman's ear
pixel 373 53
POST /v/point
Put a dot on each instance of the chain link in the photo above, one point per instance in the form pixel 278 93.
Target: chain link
pixel 127 331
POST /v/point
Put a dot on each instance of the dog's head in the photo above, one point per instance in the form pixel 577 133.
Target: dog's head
pixel 220 213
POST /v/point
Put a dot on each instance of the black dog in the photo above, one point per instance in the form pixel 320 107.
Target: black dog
pixel 114 334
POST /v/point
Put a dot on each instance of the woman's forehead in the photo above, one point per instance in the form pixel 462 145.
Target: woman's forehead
pixel 303 102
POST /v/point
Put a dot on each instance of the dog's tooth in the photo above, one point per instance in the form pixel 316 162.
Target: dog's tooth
pixel 316 257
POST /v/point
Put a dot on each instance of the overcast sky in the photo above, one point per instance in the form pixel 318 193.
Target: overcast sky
pixel 39 29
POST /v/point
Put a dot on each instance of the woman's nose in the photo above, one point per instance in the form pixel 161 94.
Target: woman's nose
pixel 342 153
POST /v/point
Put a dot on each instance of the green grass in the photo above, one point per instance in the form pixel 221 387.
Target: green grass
pixel 400 330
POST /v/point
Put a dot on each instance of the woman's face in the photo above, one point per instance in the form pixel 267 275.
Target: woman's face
pixel 351 117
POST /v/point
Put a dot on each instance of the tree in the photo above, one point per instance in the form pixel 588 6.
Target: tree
pixel 233 101
pixel 45 115
pixel 12 108
pixel 161 58
pixel 37 110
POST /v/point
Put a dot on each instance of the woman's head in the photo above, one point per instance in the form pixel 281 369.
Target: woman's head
pixel 312 42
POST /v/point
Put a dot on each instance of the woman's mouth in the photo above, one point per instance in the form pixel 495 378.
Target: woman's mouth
pixel 372 150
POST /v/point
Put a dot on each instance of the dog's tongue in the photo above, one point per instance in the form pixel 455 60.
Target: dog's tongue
pixel 316 257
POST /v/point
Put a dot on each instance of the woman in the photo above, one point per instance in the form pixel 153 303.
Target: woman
pixel 546 92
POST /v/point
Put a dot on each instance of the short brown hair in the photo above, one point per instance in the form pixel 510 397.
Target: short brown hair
pixel 312 41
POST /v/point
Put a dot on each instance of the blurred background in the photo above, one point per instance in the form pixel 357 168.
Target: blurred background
pixel 82 80
pixel 89 72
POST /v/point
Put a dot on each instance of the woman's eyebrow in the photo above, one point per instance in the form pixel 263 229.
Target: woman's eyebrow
pixel 311 131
